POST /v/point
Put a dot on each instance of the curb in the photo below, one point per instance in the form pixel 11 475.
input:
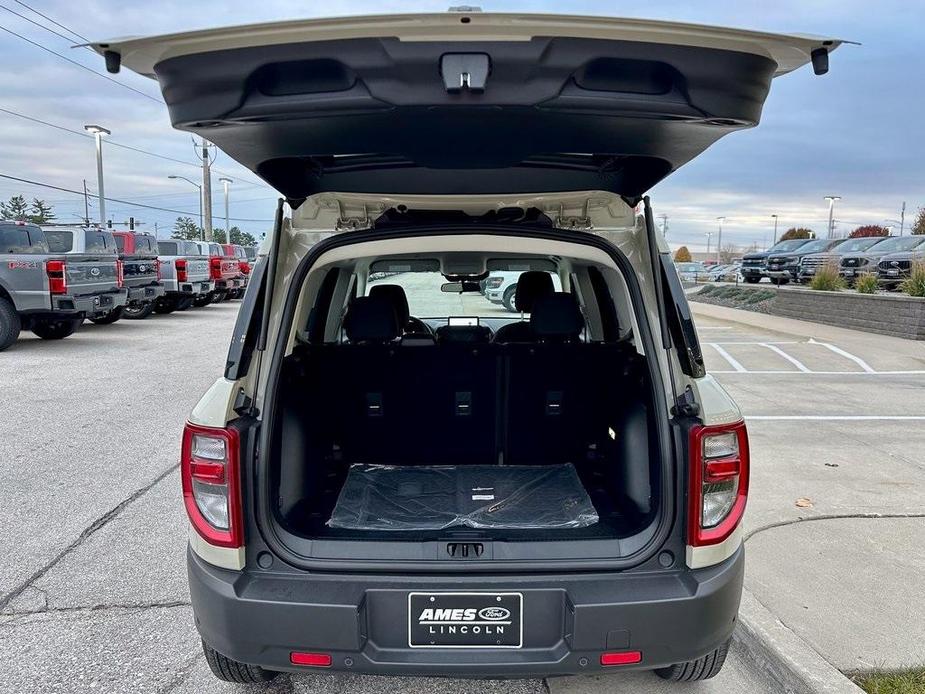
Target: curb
pixel 783 657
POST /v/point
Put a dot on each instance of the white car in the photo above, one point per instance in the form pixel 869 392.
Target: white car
pixel 385 480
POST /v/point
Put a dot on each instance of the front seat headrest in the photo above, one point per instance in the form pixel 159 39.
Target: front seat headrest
pixel 531 286
pixel 396 295
pixel 371 319
pixel 557 317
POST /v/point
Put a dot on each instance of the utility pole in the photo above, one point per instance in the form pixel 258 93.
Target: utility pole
pixel 719 239
pixel 86 205
pixel 774 217
pixel 902 218
pixel 206 190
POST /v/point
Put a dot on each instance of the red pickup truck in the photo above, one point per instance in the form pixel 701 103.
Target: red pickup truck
pixel 141 273
pixel 223 270
pixel 244 267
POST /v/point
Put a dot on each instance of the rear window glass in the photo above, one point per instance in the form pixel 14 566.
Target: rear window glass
pixel 215 249
pixel 99 241
pixel 239 252
pixel 21 239
pixel 167 247
pixel 250 252
pixel 426 300
pixel 192 248
pixel 144 244
pixel 120 242
pixel 60 241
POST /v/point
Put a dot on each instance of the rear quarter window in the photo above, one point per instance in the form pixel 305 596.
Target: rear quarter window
pixel 20 239
pixel 99 241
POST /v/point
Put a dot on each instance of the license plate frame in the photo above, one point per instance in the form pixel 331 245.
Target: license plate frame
pixel 479 601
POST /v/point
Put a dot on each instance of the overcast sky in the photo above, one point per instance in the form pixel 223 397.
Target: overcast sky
pixel 858 132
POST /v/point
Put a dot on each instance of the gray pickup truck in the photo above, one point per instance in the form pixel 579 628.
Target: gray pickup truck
pixel 49 291
pixel 185 275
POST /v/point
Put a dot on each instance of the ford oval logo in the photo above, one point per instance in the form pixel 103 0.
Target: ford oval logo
pixel 494 614
pixel 142 268
pixel 94 272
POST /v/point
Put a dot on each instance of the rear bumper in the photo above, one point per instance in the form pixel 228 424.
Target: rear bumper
pixel 229 284
pixel 140 295
pixel 569 620
pixel 192 288
pixel 89 303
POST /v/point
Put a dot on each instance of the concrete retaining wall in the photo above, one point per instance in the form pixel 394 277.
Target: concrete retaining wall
pixel 899 316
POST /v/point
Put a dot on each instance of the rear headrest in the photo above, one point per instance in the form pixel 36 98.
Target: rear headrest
pixel 557 316
pixel 395 294
pixel 531 286
pixel 371 319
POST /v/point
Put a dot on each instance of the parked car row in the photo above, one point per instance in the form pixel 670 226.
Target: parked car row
pixel 798 260
pixel 53 278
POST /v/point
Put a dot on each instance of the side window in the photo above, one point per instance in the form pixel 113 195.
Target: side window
pixel 247 326
pixel 59 241
pixel 680 322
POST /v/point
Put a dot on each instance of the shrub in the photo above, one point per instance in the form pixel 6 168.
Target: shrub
pixel 867 283
pixel 827 279
pixel 707 290
pixel 915 285
pixel 759 295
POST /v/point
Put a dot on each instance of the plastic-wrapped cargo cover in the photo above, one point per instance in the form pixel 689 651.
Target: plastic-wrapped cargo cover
pixel 381 497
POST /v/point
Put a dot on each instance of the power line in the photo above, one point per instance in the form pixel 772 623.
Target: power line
pixel 80 65
pixel 57 24
pixel 119 201
pixel 41 26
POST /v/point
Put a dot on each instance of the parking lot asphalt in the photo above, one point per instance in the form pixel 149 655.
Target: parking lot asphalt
pixel 93 593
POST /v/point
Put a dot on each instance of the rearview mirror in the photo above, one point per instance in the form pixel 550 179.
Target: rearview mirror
pixel 459 287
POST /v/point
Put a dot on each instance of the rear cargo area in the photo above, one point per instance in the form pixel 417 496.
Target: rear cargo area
pixel 407 441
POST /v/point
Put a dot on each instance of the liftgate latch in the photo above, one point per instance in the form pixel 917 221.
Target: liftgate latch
pixel 465 71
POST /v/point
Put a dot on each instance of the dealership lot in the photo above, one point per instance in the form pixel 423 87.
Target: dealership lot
pixel 93 593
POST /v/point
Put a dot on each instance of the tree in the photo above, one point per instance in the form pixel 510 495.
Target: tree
pixel 218 235
pixel 41 212
pixel 682 255
pixel 16 209
pixel 798 233
pixel 728 252
pixel 185 228
pixel 918 226
pixel 242 238
pixel 868 230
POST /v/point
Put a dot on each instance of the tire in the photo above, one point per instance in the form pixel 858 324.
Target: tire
pixel 109 318
pixel 10 325
pixel 219 296
pixel 202 300
pixel 55 328
pixel 229 670
pixel 752 280
pixel 695 670
pixel 165 305
pixel 508 298
pixel 184 303
pixel 140 312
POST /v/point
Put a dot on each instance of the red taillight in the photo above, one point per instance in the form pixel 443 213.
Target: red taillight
pixel 244 266
pixel 310 659
pixel 621 658
pixel 157 268
pixel 181 270
pixel 120 273
pixel 215 268
pixel 57 276
pixel 718 482
pixel 211 484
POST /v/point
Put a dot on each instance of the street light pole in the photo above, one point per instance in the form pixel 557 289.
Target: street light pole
pixel 199 188
pixel 709 236
pixel 832 199
pixel 98 131
pixel 226 182
pixel 719 239
pixel 774 217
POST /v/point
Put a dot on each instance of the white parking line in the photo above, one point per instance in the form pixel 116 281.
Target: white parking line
pixel 847 355
pixel 777 350
pixel 839 417
pixel 822 373
pixel 729 358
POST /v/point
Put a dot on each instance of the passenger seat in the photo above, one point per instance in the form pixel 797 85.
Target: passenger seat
pixel 395 294
pixel 557 318
pixel 371 320
pixel 531 286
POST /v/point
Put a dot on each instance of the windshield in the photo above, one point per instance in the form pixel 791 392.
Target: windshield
pixel 857 245
pixel 897 243
pixel 426 300
pixel 815 246
pixel 785 246
pixel 60 241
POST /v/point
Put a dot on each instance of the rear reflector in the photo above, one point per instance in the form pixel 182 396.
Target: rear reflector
pixel 310 659
pixel 621 658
